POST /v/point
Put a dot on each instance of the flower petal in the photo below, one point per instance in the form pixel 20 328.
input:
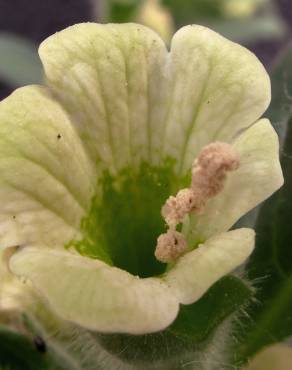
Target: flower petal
pixel 217 88
pixel 110 79
pixel 274 357
pixel 121 86
pixel 196 271
pixel 95 295
pixel 259 175
pixel 14 294
pixel 45 175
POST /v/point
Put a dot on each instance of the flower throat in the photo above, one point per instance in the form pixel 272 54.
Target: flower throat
pixel 125 226
pixel 124 223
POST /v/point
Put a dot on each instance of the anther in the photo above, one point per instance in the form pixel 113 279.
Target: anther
pixel 170 246
pixel 210 168
pixel 177 207
pixel 209 173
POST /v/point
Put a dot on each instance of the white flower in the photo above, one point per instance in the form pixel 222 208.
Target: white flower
pixel 81 163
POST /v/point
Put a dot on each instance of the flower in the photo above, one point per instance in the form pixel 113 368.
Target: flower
pixel 88 162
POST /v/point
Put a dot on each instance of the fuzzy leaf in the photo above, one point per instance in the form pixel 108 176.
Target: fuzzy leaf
pixel 19 353
pixel 197 320
pixel 270 319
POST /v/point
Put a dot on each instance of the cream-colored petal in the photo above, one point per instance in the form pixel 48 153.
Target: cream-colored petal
pixel 110 79
pixel 15 294
pixel 258 176
pixel 276 357
pixel 132 101
pixel 195 272
pixel 95 295
pixel 46 180
pixel 217 88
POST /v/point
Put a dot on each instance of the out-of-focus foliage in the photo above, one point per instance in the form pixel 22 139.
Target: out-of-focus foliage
pixel 196 321
pixel 249 21
pixel 270 317
pixel 185 11
pixel 18 352
pixel 153 14
pixel 239 20
pixel 19 61
pixel 119 10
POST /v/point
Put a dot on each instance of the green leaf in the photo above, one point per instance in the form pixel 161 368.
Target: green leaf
pixel 121 11
pixel 187 11
pixel 17 352
pixel 49 347
pixel 270 267
pixel 19 61
pixel 196 321
pixel 280 109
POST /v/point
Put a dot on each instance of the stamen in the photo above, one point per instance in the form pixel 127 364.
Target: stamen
pixel 209 173
pixel 177 207
pixel 170 246
pixel 210 168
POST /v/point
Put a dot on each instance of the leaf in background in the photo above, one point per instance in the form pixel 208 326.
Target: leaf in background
pixel 250 29
pixel 280 109
pixel 121 10
pixel 270 318
pixel 189 11
pixel 60 349
pixel 242 26
pixel 19 61
pixel 19 353
pixel 196 321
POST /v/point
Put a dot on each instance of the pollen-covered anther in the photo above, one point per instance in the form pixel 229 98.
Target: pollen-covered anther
pixel 170 246
pixel 177 207
pixel 211 167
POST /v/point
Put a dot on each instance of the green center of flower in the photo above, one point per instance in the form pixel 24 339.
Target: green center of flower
pixel 124 222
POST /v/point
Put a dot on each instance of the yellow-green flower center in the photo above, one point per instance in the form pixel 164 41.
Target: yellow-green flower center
pixel 124 222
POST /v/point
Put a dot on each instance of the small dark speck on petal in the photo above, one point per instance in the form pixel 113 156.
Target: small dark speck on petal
pixel 59 136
